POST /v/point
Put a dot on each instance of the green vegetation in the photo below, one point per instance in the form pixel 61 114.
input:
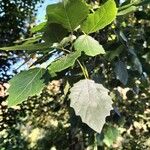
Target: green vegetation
pixel 95 92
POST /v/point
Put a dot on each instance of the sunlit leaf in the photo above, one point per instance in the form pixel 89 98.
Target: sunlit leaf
pixel 100 18
pixel 126 9
pixel 40 27
pixel 89 45
pixel 92 102
pixel 110 135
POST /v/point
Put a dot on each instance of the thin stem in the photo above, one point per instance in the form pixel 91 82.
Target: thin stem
pixel 84 70
pixel 63 49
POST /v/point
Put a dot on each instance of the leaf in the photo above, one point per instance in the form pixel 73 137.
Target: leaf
pixel 25 84
pixel 137 64
pixel 100 18
pixel 54 33
pixel 39 28
pixel 89 45
pixel 110 135
pixel 125 10
pixel 142 2
pixel 29 47
pixel 121 72
pixel 64 62
pixel 110 55
pixel 69 13
pixel 92 102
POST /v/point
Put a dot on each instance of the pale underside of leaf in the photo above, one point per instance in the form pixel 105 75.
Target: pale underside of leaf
pixel 92 102
pixel 88 45
pixel 25 84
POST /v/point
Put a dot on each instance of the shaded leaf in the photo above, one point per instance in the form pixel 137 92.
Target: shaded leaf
pixel 54 33
pixel 28 47
pixel 92 102
pixel 89 45
pixel 100 18
pixel 110 55
pixel 142 15
pixel 142 2
pixel 64 62
pixel 67 13
pixel 135 60
pixel 25 84
pixel 121 72
pixel 137 64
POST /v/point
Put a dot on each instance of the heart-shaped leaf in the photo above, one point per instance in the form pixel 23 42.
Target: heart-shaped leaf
pixel 25 84
pixel 100 18
pixel 68 13
pixel 92 102
pixel 89 45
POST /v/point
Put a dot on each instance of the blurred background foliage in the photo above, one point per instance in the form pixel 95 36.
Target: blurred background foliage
pixel 46 122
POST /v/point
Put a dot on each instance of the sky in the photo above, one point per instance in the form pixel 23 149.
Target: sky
pixel 42 10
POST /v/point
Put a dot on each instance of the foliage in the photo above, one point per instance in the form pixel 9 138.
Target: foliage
pixel 66 14
pixel 27 85
pixel 16 18
pixel 116 57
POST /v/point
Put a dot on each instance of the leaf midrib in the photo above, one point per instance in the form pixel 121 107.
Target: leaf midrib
pixel 67 17
pixel 28 84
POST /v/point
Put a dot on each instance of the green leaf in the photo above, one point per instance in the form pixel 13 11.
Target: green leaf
pixel 125 10
pixel 110 135
pixel 89 45
pixel 100 18
pixel 54 33
pixel 92 102
pixel 25 84
pixel 64 62
pixel 39 28
pixel 121 72
pixel 69 13
pixel 29 47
